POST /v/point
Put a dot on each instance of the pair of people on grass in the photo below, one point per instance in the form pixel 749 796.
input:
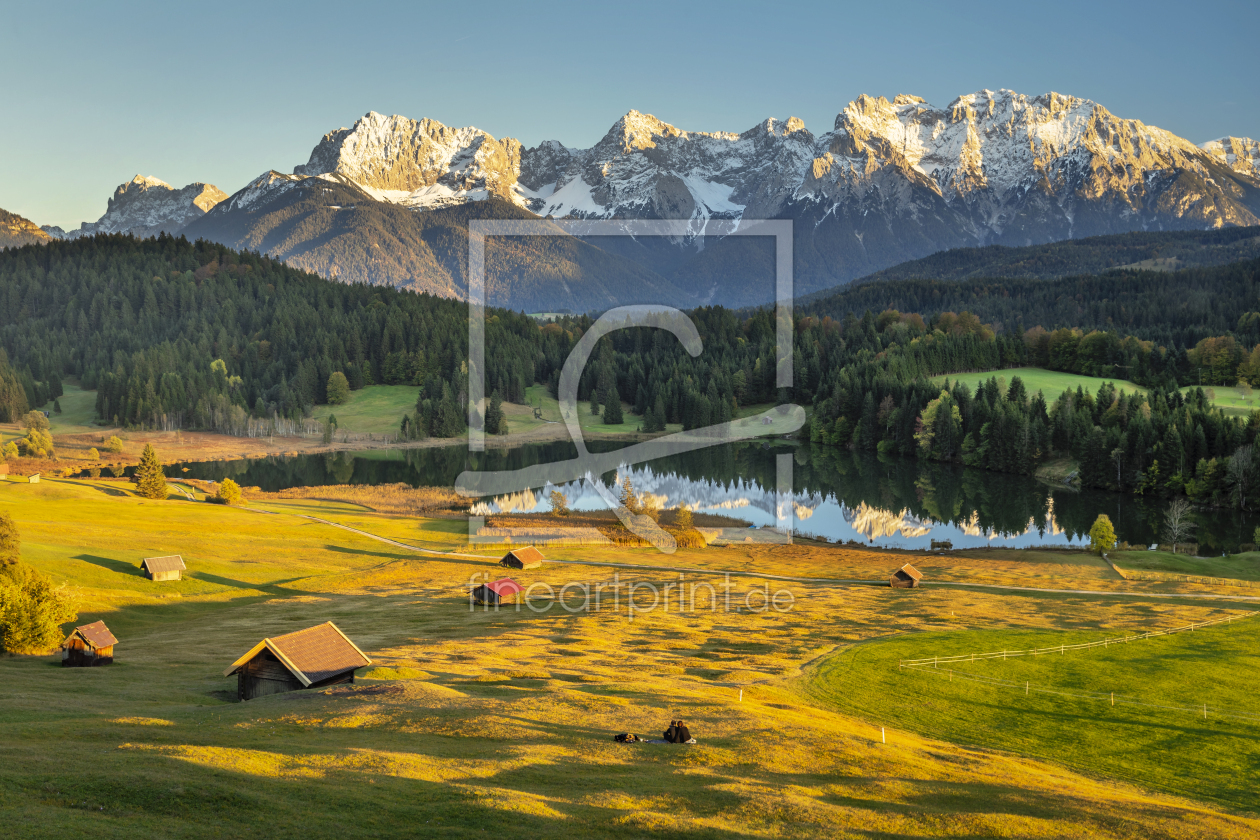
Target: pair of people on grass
pixel 678 733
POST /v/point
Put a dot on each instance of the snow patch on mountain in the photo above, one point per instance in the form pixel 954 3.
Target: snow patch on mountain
pixel 1241 154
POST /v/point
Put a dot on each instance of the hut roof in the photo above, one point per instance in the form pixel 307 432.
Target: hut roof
pixel 504 586
pixel 528 555
pixel 313 654
pixel 169 563
pixel 910 572
pixel 96 634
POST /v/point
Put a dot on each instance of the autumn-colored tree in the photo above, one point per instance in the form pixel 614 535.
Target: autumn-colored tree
pixel 229 493
pixel 32 610
pixel 1102 536
pixel 338 388
pixel 559 503
pixel 10 541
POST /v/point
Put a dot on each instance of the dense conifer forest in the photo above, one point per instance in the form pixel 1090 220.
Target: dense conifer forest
pixel 173 334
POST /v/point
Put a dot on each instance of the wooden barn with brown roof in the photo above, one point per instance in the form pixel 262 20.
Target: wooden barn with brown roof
pixel 316 657
pixel 522 558
pixel 88 645
pixel 907 577
pixel 162 568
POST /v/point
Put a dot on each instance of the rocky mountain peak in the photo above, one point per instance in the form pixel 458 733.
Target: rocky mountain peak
pixel 420 163
pixel 16 231
pixel 636 131
pixel 147 206
pixel 1241 154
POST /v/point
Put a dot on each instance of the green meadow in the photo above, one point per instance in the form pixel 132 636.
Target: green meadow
pixel 1049 382
pixel 1173 749
pixel 475 723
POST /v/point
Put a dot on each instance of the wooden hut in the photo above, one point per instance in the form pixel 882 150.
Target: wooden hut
pixel 88 645
pixel 907 577
pixel 162 568
pixel 522 558
pixel 316 657
pixel 501 591
pixel 34 479
pixel 4 469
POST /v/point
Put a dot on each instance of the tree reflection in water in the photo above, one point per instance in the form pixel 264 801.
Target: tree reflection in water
pixel 883 499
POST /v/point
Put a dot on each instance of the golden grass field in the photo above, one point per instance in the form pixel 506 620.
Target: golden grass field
pixel 483 723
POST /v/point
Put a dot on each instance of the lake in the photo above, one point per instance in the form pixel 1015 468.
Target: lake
pixel 882 500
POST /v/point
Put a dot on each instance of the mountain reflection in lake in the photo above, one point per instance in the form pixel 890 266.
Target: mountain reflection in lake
pixel 878 499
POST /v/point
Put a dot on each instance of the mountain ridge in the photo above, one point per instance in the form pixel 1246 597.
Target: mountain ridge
pixel 891 181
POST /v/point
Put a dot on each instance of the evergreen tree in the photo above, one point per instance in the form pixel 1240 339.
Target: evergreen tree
pixel 150 480
pixel 629 498
pixel 612 410
pixel 496 420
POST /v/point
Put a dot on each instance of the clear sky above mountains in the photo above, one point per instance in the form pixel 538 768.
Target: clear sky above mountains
pixel 221 92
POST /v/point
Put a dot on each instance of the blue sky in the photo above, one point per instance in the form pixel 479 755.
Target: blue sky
pixel 220 92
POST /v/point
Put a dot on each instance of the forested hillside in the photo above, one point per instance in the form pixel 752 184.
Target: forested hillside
pixel 1171 308
pixel 180 335
pixel 1171 249
pixel 174 334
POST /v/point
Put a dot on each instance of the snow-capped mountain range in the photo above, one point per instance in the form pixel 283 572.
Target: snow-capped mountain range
pixel 890 181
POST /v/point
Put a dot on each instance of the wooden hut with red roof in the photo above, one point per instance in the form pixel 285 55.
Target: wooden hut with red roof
pixel 316 657
pixel 501 591
pixel 88 645
pixel 522 558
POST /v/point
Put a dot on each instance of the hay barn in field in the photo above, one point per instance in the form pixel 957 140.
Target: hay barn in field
pixel 88 645
pixel 316 657
pixel 522 558
pixel 502 591
pixel 907 577
pixel 162 568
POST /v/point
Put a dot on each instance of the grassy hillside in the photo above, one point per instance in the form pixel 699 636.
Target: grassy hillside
pixel 477 723
pixel 1178 751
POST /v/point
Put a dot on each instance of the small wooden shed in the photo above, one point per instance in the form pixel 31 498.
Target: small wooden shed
pixel 522 558
pixel 88 645
pixel 501 591
pixel 162 568
pixel 4 469
pixel 907 577
pixel 316 657
pixel 34 479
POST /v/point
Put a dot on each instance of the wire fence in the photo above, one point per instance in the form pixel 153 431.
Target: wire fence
pixel 933 666
pixel 937 661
